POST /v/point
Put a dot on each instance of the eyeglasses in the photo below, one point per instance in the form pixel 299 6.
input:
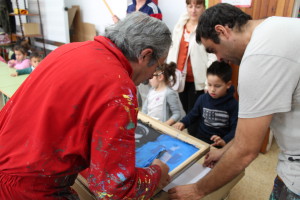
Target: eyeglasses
pixel 158 73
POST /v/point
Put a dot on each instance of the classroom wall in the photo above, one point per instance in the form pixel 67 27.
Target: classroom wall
pixel 95 11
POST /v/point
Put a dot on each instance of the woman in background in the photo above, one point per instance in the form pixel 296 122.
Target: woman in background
pixel 186 52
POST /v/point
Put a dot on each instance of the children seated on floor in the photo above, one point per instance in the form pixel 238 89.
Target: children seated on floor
pixel 21 61
pixel 35 59
pixel 217 109
pixel 162 101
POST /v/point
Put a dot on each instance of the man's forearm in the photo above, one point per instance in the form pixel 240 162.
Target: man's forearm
pixel 239 153
pixel 231 161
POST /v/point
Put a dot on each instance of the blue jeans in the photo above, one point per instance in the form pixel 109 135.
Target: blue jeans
pixel 281 192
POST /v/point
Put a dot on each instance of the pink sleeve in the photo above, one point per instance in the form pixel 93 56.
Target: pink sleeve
pixel 22 65
pixel 11 63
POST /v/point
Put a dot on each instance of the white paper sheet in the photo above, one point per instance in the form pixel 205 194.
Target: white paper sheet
pixel 191 175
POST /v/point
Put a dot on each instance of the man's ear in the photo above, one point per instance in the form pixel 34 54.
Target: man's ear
pixel 222 30
pixel 145 55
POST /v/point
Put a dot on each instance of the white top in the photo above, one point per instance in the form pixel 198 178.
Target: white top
pixel 155 104
pixel 269 79
pixel 200 59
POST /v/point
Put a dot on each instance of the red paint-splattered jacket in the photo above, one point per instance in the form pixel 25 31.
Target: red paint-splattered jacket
pixel 78 109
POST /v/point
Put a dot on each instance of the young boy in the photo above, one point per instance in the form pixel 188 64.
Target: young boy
pixel 217 109
pixel 35 59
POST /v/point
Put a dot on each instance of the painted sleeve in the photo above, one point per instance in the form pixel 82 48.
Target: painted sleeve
pixel 113 174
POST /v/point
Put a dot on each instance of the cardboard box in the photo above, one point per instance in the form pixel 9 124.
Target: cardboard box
pixel 79 31
pixel 31 29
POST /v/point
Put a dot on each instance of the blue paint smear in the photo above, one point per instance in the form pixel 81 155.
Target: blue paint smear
pixel 121 177
pixel 174 149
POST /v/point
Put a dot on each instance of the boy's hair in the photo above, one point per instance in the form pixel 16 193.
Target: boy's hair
pixel 198 2
pixel 35 55
pixel 220 69
pixel 168 71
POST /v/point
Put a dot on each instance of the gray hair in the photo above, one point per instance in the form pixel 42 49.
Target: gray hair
pixel 137 32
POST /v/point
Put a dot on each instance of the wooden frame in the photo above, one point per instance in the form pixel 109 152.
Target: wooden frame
pixel 81 185
pixel 168 130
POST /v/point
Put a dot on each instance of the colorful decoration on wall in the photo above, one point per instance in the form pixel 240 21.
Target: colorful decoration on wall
pixel 239 3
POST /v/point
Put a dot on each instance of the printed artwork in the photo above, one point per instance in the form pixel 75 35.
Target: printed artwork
pixel 150 144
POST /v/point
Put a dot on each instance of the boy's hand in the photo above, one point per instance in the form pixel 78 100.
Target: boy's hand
pixel 212 157
pixel 14 74
pixel 165 177
pixel 218 141
pixel 179 126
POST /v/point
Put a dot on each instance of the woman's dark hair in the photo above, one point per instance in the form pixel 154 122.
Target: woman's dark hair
pixel 221 14
pixel 220 69
pixel 168 71
pixel 198 2
pixel 22 49
pixel 23 46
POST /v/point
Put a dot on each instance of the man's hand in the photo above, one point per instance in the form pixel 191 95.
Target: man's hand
pixel 165 177
pixel 179 126
pixel 212 157
pixel 184 192
pixel 218 141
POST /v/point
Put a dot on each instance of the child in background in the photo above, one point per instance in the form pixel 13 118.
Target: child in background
pixel 21 61
pixel 23 43
pixel 217 109
pixel 162 102
pixel 35 59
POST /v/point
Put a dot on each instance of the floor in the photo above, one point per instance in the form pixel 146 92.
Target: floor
pixel 257 183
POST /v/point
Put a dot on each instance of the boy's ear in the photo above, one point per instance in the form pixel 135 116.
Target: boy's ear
pixel 228 84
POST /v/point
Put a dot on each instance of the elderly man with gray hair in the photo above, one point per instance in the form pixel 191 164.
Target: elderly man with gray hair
pixel 78 110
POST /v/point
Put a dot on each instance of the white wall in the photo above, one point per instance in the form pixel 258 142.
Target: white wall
pixel 95 11
pixel 171 9
pixel 55 21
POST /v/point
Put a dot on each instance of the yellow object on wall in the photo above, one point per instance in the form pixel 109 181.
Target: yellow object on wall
pixel 20 11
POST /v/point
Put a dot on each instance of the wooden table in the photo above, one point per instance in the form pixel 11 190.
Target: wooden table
pixel 9 84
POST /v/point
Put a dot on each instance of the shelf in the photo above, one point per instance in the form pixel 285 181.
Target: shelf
pixel 30 14
pixel 20 35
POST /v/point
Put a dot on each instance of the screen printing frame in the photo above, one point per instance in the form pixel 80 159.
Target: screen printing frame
pixel 183 136
pixel 81 184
